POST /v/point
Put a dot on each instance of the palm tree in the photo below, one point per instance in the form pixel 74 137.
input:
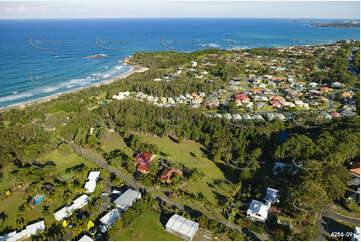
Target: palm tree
pixel 3 217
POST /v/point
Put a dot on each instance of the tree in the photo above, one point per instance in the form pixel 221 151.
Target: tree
pixel 3 217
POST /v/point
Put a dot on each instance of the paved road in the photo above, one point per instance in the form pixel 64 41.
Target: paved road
pixel 350 58
pixel 331 214
pixel 132 183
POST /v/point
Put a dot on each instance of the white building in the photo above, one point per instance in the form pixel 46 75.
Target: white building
pixel 92 181
pixel 182 227
pixel 108 219
pixel 121 95
pixel 68 211
pixel 127 199
pixel 258 211
pixel 29 230
pixel 85 238
pixel 272 195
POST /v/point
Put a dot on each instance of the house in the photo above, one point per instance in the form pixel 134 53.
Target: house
pixel 26 233
pixel 276 104
pixel 348 94
pixel 325 89
pixel 337 85
pixel 62 214
pixel 258 211
pixel 85 238
pixel 258 117
pixel 68 211
pixel 212 102
pixel 336 115
pixel 312 84
pixel 182 227
pixel 127 199
pixel 167 173
pixel 92 181
pixel 108 219
pixel 121 95
pixel 143 162
pixel 272 195
pixel 227 116
pixel 282 167
pixel 241 98
pixel 347 113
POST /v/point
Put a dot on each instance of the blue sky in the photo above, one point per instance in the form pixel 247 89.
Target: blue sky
pixel 179 8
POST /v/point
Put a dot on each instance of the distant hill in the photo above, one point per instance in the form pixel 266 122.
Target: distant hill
pixel 338 25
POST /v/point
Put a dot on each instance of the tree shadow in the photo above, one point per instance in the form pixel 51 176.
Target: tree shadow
pixel 221 199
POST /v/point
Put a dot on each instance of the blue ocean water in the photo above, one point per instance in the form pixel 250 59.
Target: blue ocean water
pixel 39 58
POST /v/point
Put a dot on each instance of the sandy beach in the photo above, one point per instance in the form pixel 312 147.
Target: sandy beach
pixel 134 68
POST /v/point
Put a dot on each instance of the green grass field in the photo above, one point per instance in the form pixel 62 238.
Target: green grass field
pixel 146 227
pixel 188 153
pixel 10 204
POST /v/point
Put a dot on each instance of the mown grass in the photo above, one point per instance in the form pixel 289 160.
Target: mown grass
pixel 147 227
pixel 192 155
pixel 10 204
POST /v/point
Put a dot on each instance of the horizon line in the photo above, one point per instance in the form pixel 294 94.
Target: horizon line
pixel 87 18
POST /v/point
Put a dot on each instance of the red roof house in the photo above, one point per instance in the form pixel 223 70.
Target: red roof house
pixel 325 89
pixel 242 98
pixel 143 169
pixel 275 103
pixel 143 161
pixel 336 115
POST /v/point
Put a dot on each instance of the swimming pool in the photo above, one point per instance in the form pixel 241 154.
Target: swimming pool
pixel 38 200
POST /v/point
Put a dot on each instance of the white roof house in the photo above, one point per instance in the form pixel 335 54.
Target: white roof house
pixel 181 226
pixel 92 181
pixel 85 238
pixel 127 199
pixel 108 219
pixel 258 211
pixel 68 211
pixel 62 214
pixel 29 230
pixel 272 195
pixel 79 202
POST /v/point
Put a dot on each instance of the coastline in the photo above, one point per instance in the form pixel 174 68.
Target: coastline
pixel 134 68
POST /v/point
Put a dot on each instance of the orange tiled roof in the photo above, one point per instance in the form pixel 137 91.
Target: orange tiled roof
pixel 356 170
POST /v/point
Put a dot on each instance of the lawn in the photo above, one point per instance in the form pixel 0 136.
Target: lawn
pixel 146 227
pixel 10 204
pixel 191 155
pixel 114 141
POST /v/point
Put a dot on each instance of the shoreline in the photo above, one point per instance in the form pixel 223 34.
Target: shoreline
pixel 134 69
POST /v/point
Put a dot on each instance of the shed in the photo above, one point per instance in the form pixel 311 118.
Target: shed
pixel 181 226
pixel 108 219
pixel 127 199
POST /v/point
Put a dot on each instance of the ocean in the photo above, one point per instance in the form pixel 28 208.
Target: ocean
pixel 40 58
